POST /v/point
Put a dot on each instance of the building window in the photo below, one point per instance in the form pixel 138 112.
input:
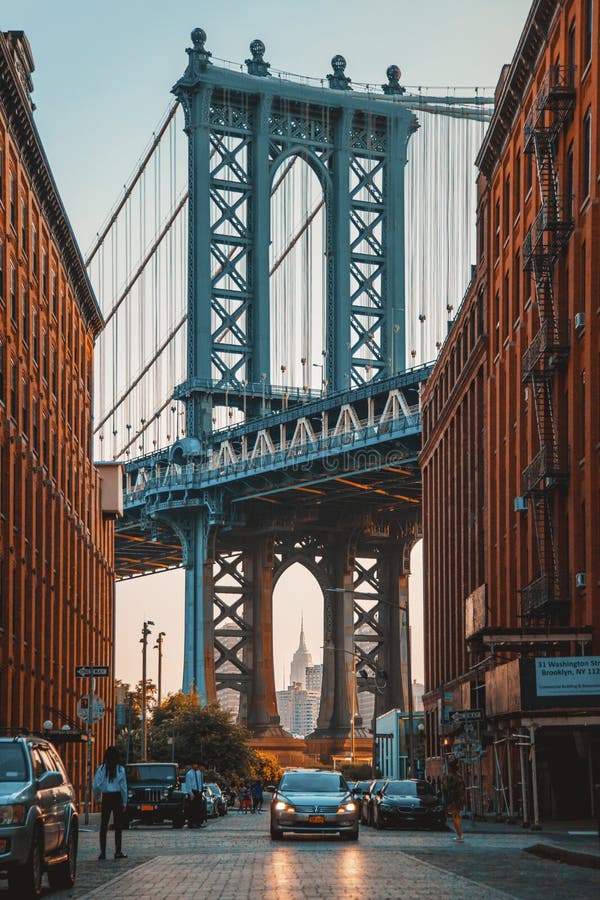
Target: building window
pixel 12 189
pixel 44 355
pixel 518 184
pixel 34 251
pixel 497 324
pixel 24 226
pixel 481 231
pixel 583 274
pixel 571 54
pixel 589 31
pixel 54 370
pixel 44 273
pixel 497 230
pixel 54 294
pixel 506 304
pixel 1 176
pixel 14 303
pixel 45 440
pixel 13 389
pixel 2 273
pixel 529 172
pixel 24 407
pixel 2 400
pixel 507 207
pixel 35 346
pixel 35 434
pixel 517 284
pixel 25 314
pixel 587 155
pixel 570 184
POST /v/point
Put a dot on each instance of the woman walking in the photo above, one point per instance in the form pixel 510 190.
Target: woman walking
pixel 110 783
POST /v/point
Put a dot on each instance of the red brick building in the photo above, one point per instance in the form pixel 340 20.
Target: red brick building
pixel 511 430
pixel 56 543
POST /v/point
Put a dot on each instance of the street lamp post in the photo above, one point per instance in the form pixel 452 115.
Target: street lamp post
pixel 158 646
pixel 144 642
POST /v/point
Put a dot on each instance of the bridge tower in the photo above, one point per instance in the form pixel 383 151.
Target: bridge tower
pixel 242 129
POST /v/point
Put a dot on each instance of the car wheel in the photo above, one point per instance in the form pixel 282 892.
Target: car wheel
pixel 276 835
pixel 26 880
pixel 63 874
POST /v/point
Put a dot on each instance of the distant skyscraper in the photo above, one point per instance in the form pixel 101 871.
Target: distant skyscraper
pixel 300 660
pixel 314 677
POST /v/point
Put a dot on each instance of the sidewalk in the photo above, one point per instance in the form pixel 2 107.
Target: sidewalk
pixel 575 843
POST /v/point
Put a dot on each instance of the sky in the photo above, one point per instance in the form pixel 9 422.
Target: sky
pixel 102 81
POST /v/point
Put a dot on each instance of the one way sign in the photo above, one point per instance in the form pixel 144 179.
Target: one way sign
pixel 96 671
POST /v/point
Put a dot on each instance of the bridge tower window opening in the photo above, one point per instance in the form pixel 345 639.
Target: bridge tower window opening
pixel 297 267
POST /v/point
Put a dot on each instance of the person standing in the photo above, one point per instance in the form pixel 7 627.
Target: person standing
pixel 193 787
pixel 110 784
pixel 257 795
pixel 453 787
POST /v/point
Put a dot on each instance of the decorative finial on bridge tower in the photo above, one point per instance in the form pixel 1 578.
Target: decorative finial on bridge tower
pixel 393 86
pixel 257 65
pixel 339 81
pixel 198 54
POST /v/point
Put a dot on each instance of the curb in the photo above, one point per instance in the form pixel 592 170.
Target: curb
pixel 559 854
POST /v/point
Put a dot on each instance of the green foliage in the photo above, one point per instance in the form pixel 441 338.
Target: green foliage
pixel 204 734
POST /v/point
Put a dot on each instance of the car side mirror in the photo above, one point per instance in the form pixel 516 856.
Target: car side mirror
pixel 49 780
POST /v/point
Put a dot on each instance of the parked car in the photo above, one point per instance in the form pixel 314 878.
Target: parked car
pixel 154 794
pixel 366 814
pixel 411 802
pixel 309 802
pixel 220 803
pixel 359 789
pixel 39 825
pixel 211 802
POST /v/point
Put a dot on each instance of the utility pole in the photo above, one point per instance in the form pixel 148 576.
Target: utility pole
pixel 144 642
pixel 158 646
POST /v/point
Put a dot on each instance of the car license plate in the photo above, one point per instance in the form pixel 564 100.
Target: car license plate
pixel 316 820
pixel 147 807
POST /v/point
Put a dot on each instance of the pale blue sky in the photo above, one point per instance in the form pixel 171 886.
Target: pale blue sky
pixel 102 80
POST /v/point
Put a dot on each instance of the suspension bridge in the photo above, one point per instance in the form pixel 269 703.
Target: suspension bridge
pixel 274 286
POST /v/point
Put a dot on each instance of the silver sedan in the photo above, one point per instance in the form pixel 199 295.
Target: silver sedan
pixel 314 802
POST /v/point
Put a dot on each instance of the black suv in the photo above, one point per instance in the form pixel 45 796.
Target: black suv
pixel 38 817
pixel 154 794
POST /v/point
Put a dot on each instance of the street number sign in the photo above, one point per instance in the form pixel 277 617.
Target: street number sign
pixel 97 708
pixel 96 671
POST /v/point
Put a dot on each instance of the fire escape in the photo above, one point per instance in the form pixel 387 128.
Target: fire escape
pixel 545 596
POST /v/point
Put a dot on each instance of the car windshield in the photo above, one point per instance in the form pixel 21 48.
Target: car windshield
pixel 408 789
pixel 377 785
pixel 13 766
pixel 313 783
pixel 362 786
pixel 153 773
pixel 215 789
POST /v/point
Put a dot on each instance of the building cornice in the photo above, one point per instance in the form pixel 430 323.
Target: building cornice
pixel 18 115
pixel 513 86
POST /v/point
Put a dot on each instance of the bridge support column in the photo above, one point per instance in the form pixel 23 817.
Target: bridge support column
pixel 262 716
pixel 198 657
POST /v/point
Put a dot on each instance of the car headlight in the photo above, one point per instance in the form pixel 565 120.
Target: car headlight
pixel 12 814
pixel 281 805
pixel 348 807
pixel 164 795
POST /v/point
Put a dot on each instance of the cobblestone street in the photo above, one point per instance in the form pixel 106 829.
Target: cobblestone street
pixel 234 858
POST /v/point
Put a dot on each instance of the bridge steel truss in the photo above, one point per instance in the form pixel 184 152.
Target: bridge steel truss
pixel 328 481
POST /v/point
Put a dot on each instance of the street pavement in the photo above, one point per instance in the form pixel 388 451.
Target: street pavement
pixel 234 858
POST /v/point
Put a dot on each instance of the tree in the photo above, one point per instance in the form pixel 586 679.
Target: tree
pixel 265 767
pixel 205 734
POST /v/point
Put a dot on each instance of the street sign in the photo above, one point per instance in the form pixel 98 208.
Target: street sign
pixel 467 715
pixel 96 671
pixel 97 708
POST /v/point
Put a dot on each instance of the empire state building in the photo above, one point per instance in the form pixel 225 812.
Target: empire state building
pixel 300 660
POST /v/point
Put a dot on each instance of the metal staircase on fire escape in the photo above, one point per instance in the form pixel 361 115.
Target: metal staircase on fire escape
pixel 546 595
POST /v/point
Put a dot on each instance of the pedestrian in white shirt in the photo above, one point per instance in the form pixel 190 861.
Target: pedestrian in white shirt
pixel 193 787
pixel 110 783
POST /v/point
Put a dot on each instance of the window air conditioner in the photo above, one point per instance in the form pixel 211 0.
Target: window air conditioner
pixel 520 504
pixel 579 320
pixel 580 579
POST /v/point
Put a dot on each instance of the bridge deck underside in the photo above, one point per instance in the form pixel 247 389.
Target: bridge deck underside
pixel 325 495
